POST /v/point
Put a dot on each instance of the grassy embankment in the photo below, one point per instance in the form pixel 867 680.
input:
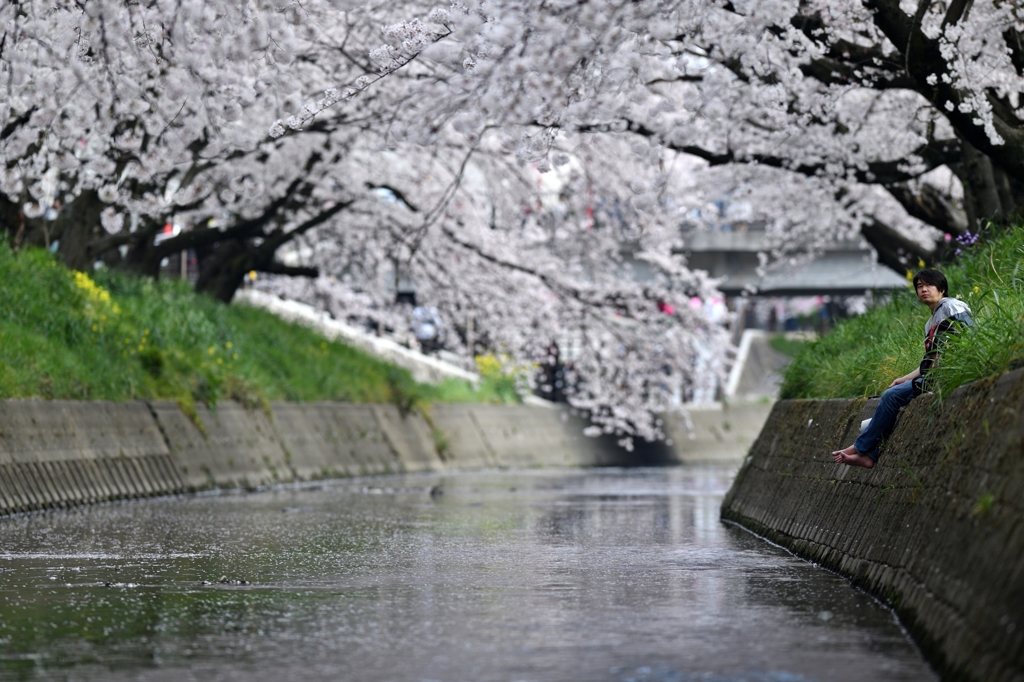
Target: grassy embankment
pixel 861 356
pixel 64 335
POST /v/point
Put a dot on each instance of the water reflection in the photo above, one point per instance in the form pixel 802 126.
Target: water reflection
pixel 536 575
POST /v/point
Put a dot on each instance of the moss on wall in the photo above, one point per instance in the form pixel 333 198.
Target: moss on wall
pixel 935 529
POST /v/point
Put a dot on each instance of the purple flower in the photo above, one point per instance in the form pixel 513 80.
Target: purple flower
pixel 966 239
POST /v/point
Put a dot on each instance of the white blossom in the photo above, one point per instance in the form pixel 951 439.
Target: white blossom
pixel 533 139
pixel 107 194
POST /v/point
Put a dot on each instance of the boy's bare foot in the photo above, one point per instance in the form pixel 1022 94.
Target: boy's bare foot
pixel 853 458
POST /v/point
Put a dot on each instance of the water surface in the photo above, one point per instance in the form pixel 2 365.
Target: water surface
pixel 612 574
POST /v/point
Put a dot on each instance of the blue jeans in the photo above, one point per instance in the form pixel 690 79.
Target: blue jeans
pixel 884 418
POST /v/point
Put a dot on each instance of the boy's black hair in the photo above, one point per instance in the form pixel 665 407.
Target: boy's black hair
pixel 933 277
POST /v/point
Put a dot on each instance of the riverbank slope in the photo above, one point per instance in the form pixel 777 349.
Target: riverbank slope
pixel 936 529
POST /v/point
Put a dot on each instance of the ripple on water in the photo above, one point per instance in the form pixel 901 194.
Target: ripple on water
pixel 526 575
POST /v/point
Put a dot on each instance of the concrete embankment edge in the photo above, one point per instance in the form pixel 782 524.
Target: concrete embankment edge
pixel 64 453
pixel 935 529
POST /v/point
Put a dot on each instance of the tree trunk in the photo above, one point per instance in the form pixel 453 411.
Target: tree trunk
pixel 77 227
pixel 222 267
pixel 142 257
pixel 894 250
pixel 981 195
pixel 1009 202
pixel 10 219
pixel 932 206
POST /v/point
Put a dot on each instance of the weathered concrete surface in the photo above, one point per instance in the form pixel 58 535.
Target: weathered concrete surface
pixel 716 433
pixel 524 436
pixel 236 447
pixel 935 529
pixel 328 440
pixel 410 439
pixel 460 438
pixel 64 453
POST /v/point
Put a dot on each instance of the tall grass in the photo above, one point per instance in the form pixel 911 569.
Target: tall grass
pixel 115 337
pixel 861 356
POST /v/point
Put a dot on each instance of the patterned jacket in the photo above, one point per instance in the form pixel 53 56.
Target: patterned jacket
pixel 948 318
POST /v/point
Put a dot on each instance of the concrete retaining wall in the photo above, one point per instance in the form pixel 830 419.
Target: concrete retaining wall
pixel 63 453
pixel 717 433
pixel 935 529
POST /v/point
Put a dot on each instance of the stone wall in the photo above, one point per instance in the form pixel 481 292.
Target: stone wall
pixel 935 528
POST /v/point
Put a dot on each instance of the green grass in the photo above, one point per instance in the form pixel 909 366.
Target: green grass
pixel 863 355
pixel 789 347
pixel 115 337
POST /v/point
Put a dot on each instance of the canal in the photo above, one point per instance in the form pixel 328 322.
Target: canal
pixel 602 574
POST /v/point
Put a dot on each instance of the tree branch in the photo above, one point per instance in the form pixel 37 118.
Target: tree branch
pixel 1015 43
pixel 931 206
pixel 957 10
pixel 279 268
pixel 894 250
pixel 924 59
pixel 204 237
pixel 9 129
pixel 280 237
pixel 933 155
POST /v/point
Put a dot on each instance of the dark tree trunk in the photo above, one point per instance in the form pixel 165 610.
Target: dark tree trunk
pixel 932 206
pixel 990 194
pixel 222 266
pixel 11 219
pixel 894 250
pixel 1010 200
pixel 75 229
pixel 78 227
pixel 143 256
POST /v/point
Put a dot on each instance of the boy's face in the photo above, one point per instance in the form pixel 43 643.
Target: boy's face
pixel 928 293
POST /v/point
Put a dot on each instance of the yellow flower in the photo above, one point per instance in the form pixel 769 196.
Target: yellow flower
pixel 220 361
pixel 227 345
pixel 234 356
pixel 212 350
pixel 94 327
pixel 910 276
pixel 489 366
pixel 97 299
pixel 920 263
pixel 976 289
pixel 94 293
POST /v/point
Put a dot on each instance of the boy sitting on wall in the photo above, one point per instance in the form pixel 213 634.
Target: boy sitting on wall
pixel 947 314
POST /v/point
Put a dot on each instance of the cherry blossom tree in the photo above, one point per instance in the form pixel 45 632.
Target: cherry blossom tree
pixel 907 114
pixel 830 120
pixel 520 263
pixel 121 117
pixel 527 163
